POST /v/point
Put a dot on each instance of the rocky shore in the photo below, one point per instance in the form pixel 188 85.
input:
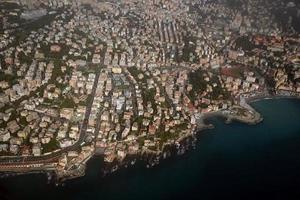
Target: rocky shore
pixel 243 113
pixel 187 141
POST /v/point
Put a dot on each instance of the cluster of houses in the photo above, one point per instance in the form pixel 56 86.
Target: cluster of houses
pixel 126 73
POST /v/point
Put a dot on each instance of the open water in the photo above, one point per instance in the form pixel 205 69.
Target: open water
pixel 233 161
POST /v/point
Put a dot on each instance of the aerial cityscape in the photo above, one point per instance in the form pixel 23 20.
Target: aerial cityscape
pixel 133 80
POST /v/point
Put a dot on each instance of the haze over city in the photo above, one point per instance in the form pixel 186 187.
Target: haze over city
pixel 144 84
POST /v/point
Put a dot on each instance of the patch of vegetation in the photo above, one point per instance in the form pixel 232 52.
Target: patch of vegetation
pixel 234 3
pixel 218 91
pixel 149 96
pixel 139 121
pixel 89 69
pixel 45 48
pixel 181 127
pixel 141 141
pixel 165 104
pixel 68 103
pixel 203 105
pixel 189 49
pixel 165 136
pixel 40 22
pixel 51 146
pixel 244 43
pixel 10 78
pixel 196 79
pixel 9 6
pixel 56 71
pixel 135 73
pixel 22 32
pixel 23 121
pixel 25 58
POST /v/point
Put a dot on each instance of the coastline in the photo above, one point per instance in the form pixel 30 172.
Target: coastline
pixel 176 148
pixel 276 96
pixel 183 144
pixel 187 142
pixel 238 146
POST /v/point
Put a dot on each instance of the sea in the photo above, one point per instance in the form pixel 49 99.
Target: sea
pixel 231 161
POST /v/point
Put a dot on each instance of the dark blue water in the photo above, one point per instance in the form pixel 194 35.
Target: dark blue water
pixel 233 161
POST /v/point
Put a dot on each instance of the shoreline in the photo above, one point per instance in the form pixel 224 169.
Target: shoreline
pixel 202 125
pixel 270 97
pixel 176 148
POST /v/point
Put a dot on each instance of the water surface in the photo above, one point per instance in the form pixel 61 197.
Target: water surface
pixel 233 161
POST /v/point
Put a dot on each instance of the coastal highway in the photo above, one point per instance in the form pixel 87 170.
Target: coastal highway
pixel 53 157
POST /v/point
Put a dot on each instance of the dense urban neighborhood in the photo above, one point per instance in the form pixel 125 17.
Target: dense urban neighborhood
pixel 131 77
